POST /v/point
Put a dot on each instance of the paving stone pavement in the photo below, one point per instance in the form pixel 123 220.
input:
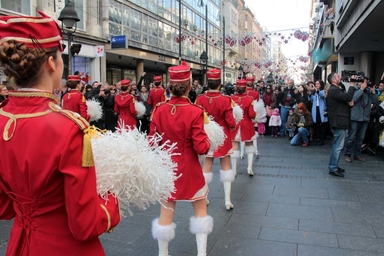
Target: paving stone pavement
pixel 291 206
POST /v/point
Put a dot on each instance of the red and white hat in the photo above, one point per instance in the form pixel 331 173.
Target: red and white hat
pixel 214 74
pixel 250 79
pixel 181 73
pixel 157 79
pixel 74 78
pixel 241 83
pixel 125 83
pixel 32 31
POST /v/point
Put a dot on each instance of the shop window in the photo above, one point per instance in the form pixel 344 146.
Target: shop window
pixel 20 6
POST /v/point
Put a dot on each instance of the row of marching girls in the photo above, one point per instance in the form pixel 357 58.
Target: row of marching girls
pixel 221 109
pixel 125 106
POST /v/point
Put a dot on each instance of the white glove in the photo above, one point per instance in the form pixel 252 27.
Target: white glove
pixel 381 119
pixel 382 104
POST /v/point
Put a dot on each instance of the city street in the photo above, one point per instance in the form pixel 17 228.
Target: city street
pixel 291 206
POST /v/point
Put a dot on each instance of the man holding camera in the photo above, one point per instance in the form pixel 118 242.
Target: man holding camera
pixel 339 103
pixel 360 115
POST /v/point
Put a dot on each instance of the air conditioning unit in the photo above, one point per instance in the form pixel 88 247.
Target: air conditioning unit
pixel 185 23
pixel 194 28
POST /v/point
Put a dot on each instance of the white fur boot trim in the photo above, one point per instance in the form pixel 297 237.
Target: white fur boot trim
pixel 242 145
pixel 235 154
pixel 163 234
pixel 201 225
pixel 227 194
pixel 249 149
pixel 250 163
pixel 227 175
pixel 201 241
pixel 159 232
pixel 208 176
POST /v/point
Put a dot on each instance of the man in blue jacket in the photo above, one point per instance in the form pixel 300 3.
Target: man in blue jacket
pixel 339 102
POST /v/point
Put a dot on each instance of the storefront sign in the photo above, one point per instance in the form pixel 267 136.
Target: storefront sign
pixel 119 42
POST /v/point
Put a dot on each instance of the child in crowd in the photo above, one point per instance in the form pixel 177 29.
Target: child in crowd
pixel 292 121
pixel 261 124
pixel 275 123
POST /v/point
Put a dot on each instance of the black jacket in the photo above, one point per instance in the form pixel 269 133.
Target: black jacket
pixel 283 95
pixel 339 111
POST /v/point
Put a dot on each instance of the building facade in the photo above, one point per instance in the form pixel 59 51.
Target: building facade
pixel 155 35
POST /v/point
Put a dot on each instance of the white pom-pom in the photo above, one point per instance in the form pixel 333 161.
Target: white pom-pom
pixel 94 110
pixel 215 134
pixel 259 108
pixel 237 113
pixel 134 166
pixel 140 108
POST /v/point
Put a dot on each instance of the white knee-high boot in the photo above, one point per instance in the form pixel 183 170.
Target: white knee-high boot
pixel 201 227
pixel 208 176
pixel 242 145
pixel 256 150
pixel 250 150
pixel 234 157
pixel 227 177
pixel 163 234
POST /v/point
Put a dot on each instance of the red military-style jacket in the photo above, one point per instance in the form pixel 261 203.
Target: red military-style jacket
pixel 220 108
pixel 254 94
pixel 247 130
pixel 125 108
pixel 181 122
pixel 75 101
pixel 156 95
pixel 43 184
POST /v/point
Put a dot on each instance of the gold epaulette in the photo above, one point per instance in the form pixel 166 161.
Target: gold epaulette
pixel 206 119
pixel 87 157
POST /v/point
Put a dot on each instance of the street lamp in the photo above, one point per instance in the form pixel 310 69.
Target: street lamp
pixel 204 60
pixel 69 18
pixel 276 77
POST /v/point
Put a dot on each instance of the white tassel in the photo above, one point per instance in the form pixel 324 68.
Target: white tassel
pixel 140 108
pixel 259 108
pixel 215 134
pixel 134 166
pixel 94 110
pixel 237 113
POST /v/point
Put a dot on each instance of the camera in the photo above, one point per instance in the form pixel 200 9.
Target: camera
pixel 106 91
pixel 347 76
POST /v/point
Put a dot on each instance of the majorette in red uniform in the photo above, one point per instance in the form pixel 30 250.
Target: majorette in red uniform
pixel 256 96
pixel 125 107
pixel 219 107
pixel 74 100
pixel 180 121
pixel 245 130
pixel 250 90
pixel 45 184
pixel 157 94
